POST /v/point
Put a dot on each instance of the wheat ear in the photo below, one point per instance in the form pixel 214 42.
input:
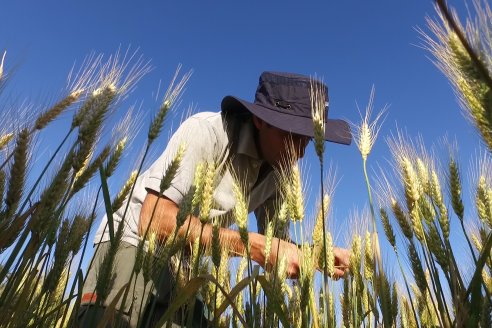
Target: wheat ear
pixel 125 190
pixel 17 174
pixel 115 157
pixel 5 139
pixel 48 116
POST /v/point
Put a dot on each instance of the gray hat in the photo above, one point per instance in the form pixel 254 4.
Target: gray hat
pixel 283 100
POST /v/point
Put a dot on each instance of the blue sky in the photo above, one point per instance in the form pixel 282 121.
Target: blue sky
pixel 352 44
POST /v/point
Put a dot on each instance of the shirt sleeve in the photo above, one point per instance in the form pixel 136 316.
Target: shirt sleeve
pixel 201 145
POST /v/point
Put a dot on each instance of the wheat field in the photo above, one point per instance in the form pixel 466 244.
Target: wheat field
pixel 419 202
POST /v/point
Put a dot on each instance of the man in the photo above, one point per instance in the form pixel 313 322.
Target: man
pixel 248 141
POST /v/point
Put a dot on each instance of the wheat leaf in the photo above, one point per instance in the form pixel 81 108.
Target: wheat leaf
pixel 107 203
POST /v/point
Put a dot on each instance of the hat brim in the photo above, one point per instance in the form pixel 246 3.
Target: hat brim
pixel 337 131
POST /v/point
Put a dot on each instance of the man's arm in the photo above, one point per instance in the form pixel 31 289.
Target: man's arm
pixel 164 222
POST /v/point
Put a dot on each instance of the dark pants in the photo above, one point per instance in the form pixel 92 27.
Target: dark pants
pixel 147 302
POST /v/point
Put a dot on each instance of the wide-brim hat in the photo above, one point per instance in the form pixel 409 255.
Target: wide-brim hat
pixel 283 100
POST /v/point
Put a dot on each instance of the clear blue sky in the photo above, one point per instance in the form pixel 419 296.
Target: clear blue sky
pixel 352 44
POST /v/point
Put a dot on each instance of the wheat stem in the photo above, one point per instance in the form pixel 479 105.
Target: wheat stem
pixel 72 289
pixel 407 287
pixel 325 264
pixel 124 215
pixel 435 285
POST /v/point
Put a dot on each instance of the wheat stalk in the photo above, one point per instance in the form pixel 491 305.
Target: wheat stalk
pixel 455 189
pixel 388 229
pixel 118 200
pixel 461 58
pixel 423 175
pixel 198 183
pixel 5 139
pixel 321 215
pixel 172 169
pixel 207 195
pixel 241 215
pixel 484 202
pixel 402 219
pixel 216 247
pixel 17 175
pixel 418 271
pixel 170 97
pixel 366 133
pixel 319 103
pixel 148 259
pixel 88 170
pixel 369 261
pixel 48 116
pixel 295 195
pixel 268 241
pixel 239 275
pixel 115 157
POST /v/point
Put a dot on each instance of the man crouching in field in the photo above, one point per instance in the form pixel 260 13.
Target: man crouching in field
pixel 247 142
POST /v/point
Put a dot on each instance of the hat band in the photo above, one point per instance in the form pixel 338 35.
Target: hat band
pixel 287 107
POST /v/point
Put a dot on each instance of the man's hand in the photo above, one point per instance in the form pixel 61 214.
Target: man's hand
pixel 293 255
pixel 341 262
pixel 280 248
pixel 342 258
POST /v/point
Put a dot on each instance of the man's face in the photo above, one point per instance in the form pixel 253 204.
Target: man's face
pixel 278 146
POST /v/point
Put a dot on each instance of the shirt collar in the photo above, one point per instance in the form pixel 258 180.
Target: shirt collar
pixel 246 144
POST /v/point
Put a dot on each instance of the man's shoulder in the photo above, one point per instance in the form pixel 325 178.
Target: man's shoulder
pixel 208 118
pixel 210 122
pixel 208 127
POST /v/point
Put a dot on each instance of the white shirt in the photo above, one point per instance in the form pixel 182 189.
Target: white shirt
pixel 206 138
